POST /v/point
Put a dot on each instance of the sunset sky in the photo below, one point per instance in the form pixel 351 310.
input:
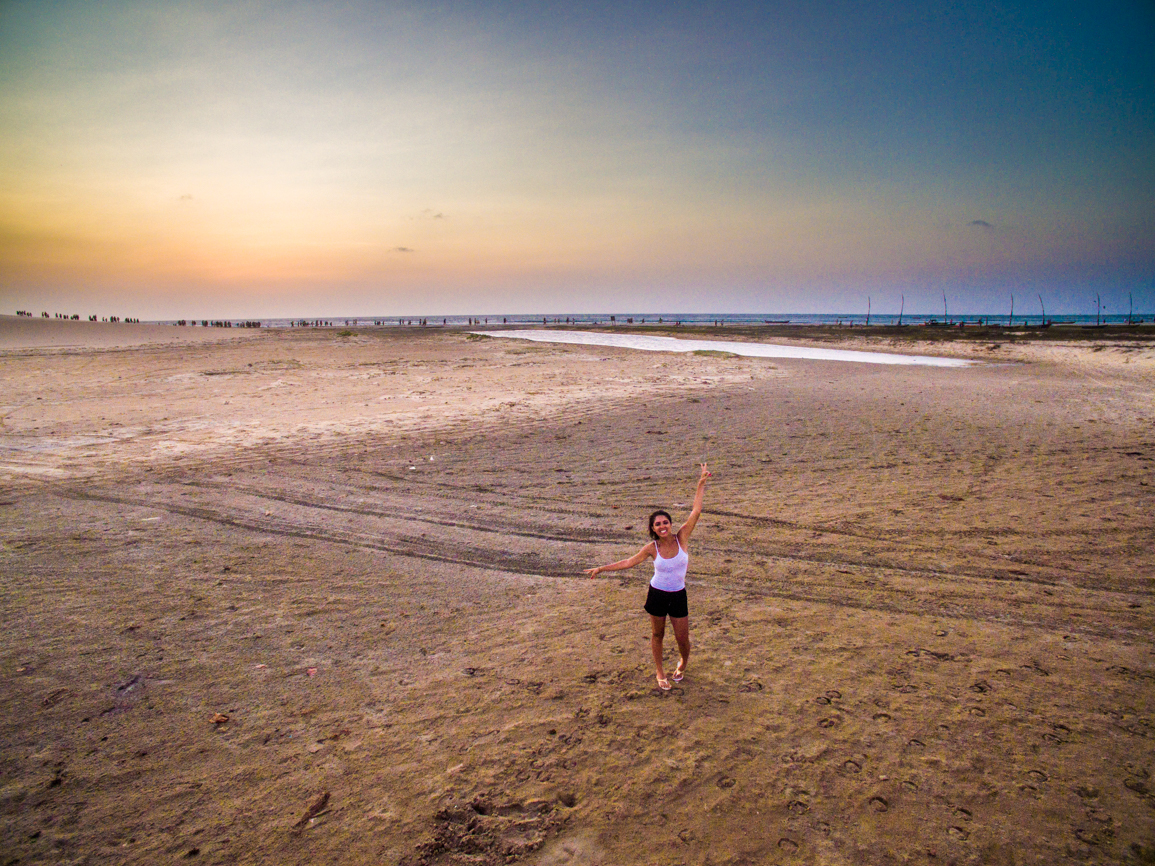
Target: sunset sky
pixel 262 159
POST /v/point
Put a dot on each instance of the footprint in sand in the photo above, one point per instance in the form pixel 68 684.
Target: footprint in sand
pixel 1088 837
pixel 851 767
pixel 879 804
pixel 508 830
pixel 579 850
pixel 958 833
pixel 1059 734
pixel 1136 771
pixel 787 844
pixel 1137 785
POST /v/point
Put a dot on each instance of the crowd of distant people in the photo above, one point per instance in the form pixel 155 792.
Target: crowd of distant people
pixel 75 317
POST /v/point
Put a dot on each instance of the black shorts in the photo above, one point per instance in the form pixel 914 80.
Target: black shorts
pixel 662 603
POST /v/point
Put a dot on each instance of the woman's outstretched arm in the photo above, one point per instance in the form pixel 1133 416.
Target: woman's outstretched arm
pixel 699 497
pixel 642 555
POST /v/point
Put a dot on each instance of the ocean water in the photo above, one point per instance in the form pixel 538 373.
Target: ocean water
pixel 652 343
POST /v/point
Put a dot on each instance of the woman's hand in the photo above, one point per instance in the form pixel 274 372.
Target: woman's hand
pixel 706 473
pixel 593 572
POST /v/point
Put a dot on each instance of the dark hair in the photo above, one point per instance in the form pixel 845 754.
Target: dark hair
pixel 662 513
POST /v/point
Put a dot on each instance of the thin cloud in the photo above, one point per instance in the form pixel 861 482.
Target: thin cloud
pixel 404 250
pixel 983 224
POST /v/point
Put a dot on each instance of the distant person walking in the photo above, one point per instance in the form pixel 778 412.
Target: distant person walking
pixel 667 596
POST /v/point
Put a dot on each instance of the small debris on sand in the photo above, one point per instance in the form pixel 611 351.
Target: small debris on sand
pixel 313 811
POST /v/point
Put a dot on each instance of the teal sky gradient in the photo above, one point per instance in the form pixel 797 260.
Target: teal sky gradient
pixel 263 159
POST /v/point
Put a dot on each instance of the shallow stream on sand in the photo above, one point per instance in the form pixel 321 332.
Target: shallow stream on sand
pixel 750 350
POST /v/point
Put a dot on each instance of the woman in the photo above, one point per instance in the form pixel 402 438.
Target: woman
pixel 667 596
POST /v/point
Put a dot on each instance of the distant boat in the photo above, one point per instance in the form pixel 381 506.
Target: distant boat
pixel 775 321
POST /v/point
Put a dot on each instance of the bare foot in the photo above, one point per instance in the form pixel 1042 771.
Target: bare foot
pixel 663 683
pixel 679 672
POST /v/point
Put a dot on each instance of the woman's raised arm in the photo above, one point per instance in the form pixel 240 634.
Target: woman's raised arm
pixel 699 497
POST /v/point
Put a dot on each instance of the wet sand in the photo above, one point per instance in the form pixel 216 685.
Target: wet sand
pixel 297 597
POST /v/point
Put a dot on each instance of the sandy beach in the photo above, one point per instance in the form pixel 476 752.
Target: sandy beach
pixel 306 596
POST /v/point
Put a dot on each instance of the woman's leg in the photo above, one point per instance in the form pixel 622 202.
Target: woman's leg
pixel 682 635
pixel 658 623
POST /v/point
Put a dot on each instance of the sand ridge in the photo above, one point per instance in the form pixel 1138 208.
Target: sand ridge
pixel 47 335
pixel 294 386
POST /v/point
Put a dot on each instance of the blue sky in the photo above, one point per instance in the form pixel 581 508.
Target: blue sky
pixel 268 159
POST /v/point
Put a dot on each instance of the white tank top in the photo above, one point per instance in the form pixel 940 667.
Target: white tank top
pixel 670 574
